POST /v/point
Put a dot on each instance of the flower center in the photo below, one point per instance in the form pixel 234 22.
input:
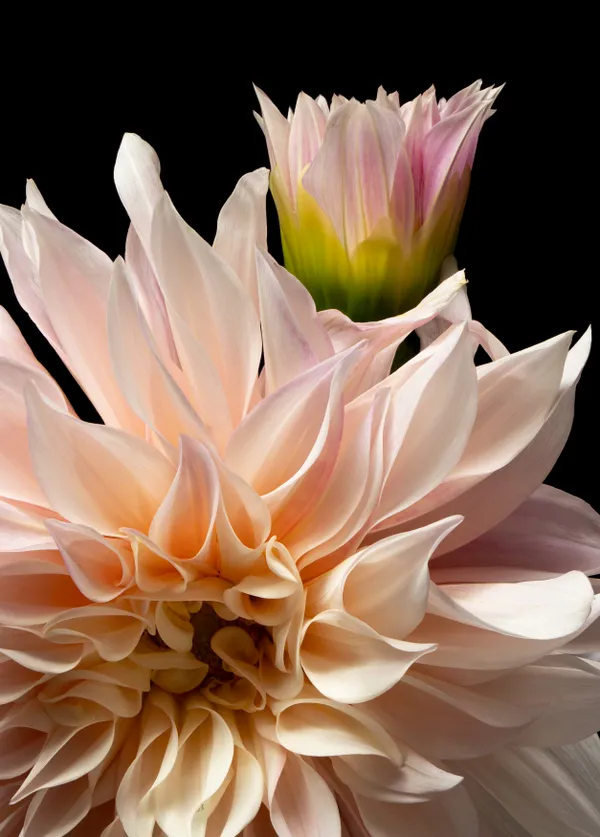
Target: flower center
pixel 202 649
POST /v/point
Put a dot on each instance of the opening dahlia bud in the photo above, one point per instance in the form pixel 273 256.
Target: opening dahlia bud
pixel 370 195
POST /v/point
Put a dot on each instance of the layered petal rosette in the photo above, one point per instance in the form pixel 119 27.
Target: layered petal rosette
pixel 281 590
pixel 370 195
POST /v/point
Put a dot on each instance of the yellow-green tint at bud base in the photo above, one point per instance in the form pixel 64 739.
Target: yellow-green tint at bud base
pixel 381 278
pixel 370 195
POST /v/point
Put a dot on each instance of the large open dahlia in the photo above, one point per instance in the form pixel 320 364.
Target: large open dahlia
pixel 281 591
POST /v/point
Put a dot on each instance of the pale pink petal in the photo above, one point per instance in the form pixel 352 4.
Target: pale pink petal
pixel 356 197
pixel 320 540
pixel 503 625
pixel 430 422
pixel 565 692
pixel 306 135
pixel 207 295
pixel 108 478
pixel 415 780
pixel 150 299
pixel 137 177
pixel 23 275
pixel 287 446
pixel 17 478
pixel 276 129
pixel 75 279
pixel 293 338
pixel 443 720
pixel 451 814
pixel 548 527
pixel 301 803
pixel 492 495
pixel 148 386
pixel 553 792
pixel 242 226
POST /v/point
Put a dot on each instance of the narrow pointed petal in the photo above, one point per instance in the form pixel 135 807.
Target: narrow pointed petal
pixel 551 792
pixel 75 278
pixel 207 295
pixel 150 389
pixel 242 226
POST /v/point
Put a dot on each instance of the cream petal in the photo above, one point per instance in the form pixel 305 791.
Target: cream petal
pixel 207 295
pixel 184 523
pixel 108 478
pixel 202 764
pixel 349 662
pixel 242 798
pixel 314 726
pixel 153 762
pixel 101 568
pixel 550 793
pixel 150 389
pixel 75 279
pixel 544 609
pixel 242 226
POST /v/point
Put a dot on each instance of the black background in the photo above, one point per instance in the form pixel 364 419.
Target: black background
pixel 528 240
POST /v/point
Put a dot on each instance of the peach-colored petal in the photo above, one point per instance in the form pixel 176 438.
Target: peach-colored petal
pixel 134 476
pixel 101 568
pixel 184 522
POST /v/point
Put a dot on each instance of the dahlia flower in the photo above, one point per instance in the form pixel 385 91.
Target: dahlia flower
pixel 370 195
pixel 305 597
